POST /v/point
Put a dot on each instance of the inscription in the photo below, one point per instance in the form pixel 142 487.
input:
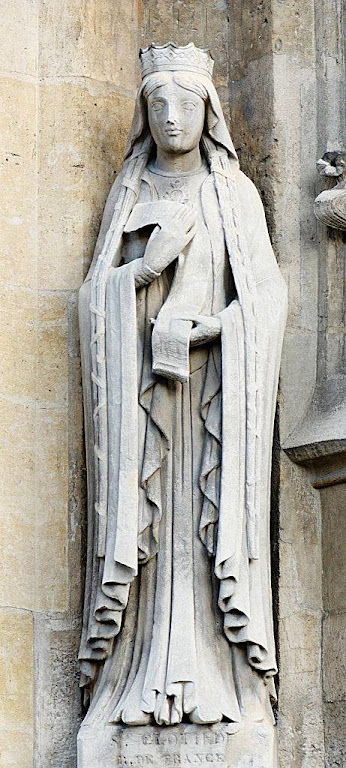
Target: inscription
pixel 218 746
pixel 136 760
pixel 171 759
pixel 180 748
pixel 182 738
pixel 196 759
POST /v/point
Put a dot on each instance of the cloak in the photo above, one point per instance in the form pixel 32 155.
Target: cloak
pixel 237 533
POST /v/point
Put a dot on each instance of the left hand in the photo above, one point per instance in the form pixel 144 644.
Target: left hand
pixel 205 328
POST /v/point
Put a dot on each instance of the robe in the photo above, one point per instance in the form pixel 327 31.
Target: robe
pixel 178 613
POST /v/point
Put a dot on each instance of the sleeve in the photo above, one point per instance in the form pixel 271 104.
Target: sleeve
pixel 105 223
pixel 264 263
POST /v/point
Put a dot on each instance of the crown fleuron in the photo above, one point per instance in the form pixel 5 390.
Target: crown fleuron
pixel 172 58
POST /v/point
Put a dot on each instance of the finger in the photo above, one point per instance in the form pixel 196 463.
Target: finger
pixel 155 232
pixel 188 224
pixel 186 216
pixel 191 233
pixel 181 214
pixel 190 316
pixel 190 220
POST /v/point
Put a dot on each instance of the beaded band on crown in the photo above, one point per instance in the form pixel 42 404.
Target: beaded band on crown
pixel 171 58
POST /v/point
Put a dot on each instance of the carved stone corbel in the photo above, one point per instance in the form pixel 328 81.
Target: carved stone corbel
pixel 330 205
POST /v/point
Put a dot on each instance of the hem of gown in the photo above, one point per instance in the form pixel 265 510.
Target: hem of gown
pixel 148 718
pixel 173 709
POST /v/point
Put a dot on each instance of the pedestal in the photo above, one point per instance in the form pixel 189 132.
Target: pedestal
pixel 184 745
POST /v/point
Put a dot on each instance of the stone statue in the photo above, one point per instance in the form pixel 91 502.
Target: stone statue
pixel 181 318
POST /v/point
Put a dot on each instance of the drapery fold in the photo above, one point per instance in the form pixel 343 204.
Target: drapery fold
pixel 131 526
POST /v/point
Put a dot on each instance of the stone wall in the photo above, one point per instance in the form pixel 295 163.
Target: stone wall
pixel 68 76
pixel 67 79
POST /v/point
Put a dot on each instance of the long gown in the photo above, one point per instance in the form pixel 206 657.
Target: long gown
pixel 172 660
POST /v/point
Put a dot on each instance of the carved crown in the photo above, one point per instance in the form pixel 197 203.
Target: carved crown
pixel 171 57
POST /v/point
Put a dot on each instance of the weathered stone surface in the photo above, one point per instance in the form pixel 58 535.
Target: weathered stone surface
pixel 334 715
pixel 58 695
pixel 333 542
pixel 182 745
pixel 300 723
pixel 16 689
pixel 34 471
pixel 300 532
pixel 293 29
pixel 18 240
pixel 115 60
pixel 82 133
pixel 60 66
pixel 67 34
pixel 52 348
pixel 34 496
pixel 19 328
pixel 18 52
pixel 52 581
pixel 334 657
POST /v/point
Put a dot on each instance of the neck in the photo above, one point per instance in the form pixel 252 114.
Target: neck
pixel 183 163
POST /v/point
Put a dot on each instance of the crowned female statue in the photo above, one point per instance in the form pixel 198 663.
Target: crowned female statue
pixel 181 317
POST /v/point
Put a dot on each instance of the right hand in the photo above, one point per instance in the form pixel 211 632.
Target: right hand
pixel 167 241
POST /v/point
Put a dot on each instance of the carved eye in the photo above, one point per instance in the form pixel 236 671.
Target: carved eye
pixel 156 106
pixel 189 105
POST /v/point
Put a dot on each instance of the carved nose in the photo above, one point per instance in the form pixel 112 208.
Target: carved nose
pixel 171 117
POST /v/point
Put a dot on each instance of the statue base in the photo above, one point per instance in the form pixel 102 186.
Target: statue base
pixel 253 745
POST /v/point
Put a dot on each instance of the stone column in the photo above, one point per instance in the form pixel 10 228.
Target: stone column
pixel 68 74
pixel 287 108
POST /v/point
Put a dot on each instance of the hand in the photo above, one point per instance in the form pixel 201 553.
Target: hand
pixel 169 240
pixel 206 328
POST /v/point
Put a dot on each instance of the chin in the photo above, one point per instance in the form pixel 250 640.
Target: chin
pixel 177 147
pixel 174 145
